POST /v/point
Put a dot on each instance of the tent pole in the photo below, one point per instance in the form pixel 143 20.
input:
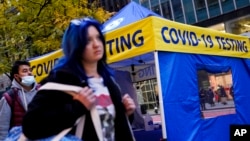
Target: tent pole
pixel 157 69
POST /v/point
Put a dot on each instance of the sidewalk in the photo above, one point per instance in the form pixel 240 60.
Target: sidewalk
pixel 211 111
pixel 155 116
pixel 219 109
pixel 230 104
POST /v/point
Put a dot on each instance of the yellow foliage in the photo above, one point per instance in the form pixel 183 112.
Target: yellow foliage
pixel 29 28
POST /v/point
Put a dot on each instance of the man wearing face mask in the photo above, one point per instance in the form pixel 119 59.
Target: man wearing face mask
pixel 14 102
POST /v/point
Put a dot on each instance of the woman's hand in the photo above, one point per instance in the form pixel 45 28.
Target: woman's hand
pixel 129 104
pixel 86 97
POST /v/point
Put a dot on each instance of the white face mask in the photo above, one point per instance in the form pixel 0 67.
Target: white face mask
pixel 28 80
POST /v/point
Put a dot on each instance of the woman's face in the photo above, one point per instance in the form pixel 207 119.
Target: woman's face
pixel 94 49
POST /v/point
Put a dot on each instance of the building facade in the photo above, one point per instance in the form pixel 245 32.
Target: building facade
pixel 230 16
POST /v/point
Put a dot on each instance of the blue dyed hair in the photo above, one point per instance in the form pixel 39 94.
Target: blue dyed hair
pixel 74 43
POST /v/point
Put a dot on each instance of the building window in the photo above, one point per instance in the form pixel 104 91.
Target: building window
pixel 227 5
pixel 212 2
pixel 189 11
pixel 201 11
pixel 201 3
pixel 146 94
pixel 145 3
pixel 242 3
pixel 166 10
pixel 178 13
pixel 155 6
pixel 214 8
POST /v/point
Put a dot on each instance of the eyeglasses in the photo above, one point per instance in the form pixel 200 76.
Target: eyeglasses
pixel 78 22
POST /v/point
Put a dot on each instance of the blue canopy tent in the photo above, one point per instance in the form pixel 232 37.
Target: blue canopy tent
pixel 176 70
pixel 127 15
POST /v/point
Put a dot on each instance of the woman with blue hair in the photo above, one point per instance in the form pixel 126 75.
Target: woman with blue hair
pixel 84 65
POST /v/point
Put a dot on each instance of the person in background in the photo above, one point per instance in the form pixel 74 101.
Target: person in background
pixel 231 91
pixel 14 103
pixel 156 108
pixel 210 95
pixel 84 64
pixel 202 95
pixel 222 93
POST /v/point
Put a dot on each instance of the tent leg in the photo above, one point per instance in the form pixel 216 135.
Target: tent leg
pixel 163 124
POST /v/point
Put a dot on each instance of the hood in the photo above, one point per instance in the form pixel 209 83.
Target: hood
pixel 15 84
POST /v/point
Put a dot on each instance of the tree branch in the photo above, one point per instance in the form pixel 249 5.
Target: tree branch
pixel 43 6
pixel 8 76
pixel 35 2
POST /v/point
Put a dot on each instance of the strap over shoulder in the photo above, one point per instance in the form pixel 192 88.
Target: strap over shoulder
pixel 70 89
pixel 10 95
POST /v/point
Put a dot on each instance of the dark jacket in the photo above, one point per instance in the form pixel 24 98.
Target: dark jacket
pixel 52 111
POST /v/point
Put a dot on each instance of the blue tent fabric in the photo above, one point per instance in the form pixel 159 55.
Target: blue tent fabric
pixel 247 63
pixel 179 84
pixel 131 13
pixel 179 81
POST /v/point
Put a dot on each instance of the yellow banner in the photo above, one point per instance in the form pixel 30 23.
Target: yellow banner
pixel 130 41
pixel 154 33
pixel 41 66
pixel 177 37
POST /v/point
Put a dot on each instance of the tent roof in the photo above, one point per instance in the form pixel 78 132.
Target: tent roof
pixel 139 62
pixel 127 15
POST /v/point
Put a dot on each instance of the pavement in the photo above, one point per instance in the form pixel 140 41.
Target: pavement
pixel 219 105
pixel 155 116
pixel 218 109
